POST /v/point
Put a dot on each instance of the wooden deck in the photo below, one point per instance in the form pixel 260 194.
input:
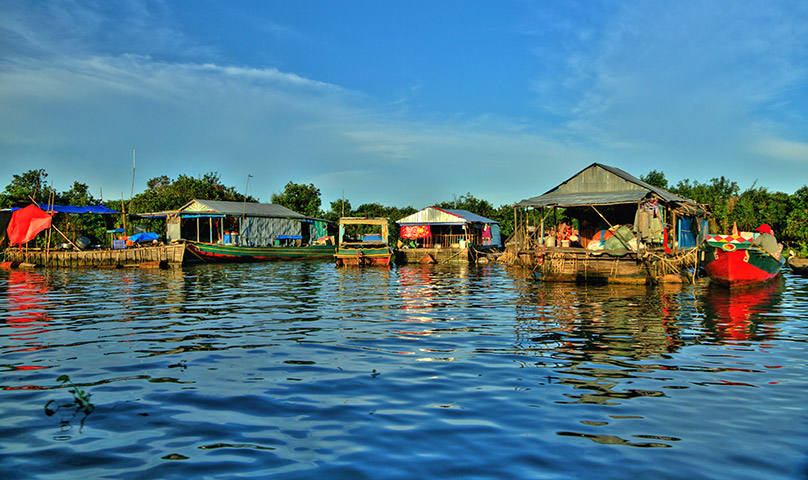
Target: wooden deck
pixel 432 255
pixel 159 256
pixel 559 264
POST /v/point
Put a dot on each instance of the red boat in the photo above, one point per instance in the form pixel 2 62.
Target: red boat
pixel 734 261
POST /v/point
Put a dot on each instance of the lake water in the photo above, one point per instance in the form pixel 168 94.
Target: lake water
pixel 302 370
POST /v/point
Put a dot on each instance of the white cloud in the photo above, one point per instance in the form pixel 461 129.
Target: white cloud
pixel 787 150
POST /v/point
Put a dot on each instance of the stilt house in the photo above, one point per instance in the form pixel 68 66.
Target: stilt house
pixel 611 213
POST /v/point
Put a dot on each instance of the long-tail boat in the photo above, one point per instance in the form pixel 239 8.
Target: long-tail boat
pixel 735 261
pixel 366 245
pixel 217 252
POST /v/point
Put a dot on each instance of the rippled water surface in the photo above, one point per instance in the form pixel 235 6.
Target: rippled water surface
pixel 301 370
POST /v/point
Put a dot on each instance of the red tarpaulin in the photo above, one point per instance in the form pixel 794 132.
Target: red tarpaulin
pixel 416 231
pixel 26 223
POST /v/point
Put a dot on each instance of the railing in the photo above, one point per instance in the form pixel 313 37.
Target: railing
pixel 447 241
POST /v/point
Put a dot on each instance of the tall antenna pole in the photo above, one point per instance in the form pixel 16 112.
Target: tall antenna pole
pixel 132 192
pixel 243 212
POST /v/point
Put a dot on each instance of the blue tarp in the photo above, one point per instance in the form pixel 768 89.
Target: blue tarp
pixel 74 209
pixel 142 237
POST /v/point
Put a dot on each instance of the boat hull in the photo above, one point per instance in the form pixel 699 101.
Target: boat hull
pixel 731 264
pixel 218 253
pixel 361 257
pixel 798 265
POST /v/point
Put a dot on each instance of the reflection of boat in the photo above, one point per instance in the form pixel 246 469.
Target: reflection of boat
pixel 737 314
pixel 734 261
pixel 213 252
pixel 363 241
pixel 798 265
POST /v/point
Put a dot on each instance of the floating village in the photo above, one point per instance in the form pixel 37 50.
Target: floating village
pixel 623 230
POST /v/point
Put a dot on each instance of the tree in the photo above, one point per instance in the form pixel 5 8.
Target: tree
pixel 470 203
pixel 79 195
pixel 303 199
pixel 757 205
pixel 25 187
pixel 720 194
pixel 655 178
pixel 339 208
pixel 158 183
pixel 163 194
pixel 796 231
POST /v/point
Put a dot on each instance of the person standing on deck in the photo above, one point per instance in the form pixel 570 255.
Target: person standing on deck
pixel 766 240
pixel 486 235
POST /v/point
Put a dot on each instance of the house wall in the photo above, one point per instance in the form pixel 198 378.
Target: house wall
pixel 596 179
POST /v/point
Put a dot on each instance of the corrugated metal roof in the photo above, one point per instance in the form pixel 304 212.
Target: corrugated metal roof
pixel 236 209
pixel 600 184
pixel 574 199
pixel 443 216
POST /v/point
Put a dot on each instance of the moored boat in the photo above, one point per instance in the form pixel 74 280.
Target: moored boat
pixel 735 261
pixel 217 252
pixel 363 242
pixel 798 265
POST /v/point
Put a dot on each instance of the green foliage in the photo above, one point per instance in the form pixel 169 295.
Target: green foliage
pixel 655 178
pixel 796 231
pixel 756 206
pixel 339 208
pixel 78 195
pixel 719 194
pixel 470 203
pixel 303 199
pixel 163 194
pixel 81 401
pixel 30 185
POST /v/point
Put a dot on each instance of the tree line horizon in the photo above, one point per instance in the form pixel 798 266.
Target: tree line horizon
pixel 787 214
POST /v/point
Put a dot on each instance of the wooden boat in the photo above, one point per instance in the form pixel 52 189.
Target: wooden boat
pixel 363 242
pixel 734 261
pixel 220 253
pixel 798 265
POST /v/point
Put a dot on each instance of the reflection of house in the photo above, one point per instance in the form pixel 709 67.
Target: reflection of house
pixel 446 227
pixel 622 229
pixel 440 235
pixel 256 224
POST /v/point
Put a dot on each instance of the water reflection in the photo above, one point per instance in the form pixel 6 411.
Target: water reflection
pixel 742 315
pixel 599 323
pixel 27 311
pixel 268 369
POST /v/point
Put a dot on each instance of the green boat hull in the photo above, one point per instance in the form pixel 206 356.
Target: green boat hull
pixel 218 253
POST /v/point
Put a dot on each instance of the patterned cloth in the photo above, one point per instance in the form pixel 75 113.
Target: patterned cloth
pixel 416 231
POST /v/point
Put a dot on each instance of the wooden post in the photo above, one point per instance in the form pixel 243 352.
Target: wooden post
pixel 123 214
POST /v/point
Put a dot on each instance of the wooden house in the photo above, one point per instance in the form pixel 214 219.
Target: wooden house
pixel 440 235
pixel 242 223
pixel 605 225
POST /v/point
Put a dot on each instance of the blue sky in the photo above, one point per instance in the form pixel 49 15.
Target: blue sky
pixel 406 103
